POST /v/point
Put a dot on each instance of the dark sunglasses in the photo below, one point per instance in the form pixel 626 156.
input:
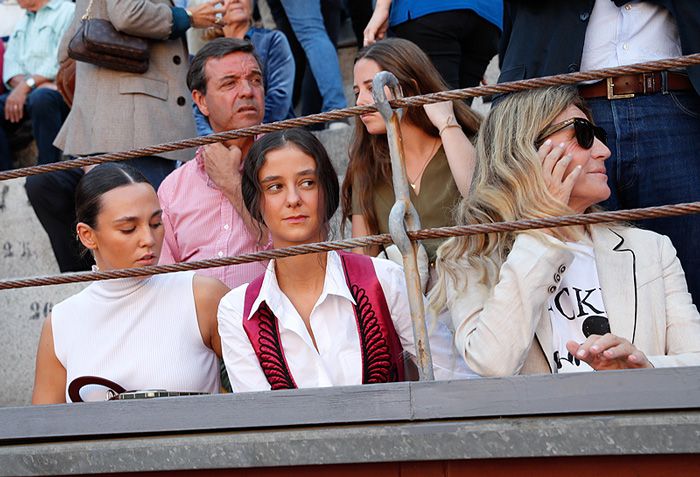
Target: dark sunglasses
pixel 585 132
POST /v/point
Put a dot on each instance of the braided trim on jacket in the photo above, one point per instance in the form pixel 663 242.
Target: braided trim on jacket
pixel 271 357
pixel 376 355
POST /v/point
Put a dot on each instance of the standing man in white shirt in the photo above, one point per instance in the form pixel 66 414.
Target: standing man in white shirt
pixel 652 120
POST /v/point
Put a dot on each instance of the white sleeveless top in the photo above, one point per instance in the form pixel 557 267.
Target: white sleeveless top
pixel 139 333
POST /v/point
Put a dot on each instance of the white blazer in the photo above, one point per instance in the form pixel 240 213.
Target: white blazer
pixel 505 329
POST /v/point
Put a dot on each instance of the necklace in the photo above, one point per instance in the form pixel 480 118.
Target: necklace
pixel 414 182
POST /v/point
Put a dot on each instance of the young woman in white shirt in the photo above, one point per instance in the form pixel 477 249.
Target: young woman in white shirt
pixel 154 332
pixel 323 319
pixel 600 297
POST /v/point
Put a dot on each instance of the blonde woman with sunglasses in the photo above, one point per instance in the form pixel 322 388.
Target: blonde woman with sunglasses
pixel 568 299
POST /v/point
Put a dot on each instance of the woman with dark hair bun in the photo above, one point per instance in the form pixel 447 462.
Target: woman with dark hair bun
pixel 439 157
pixel 323 319
pixel 155 332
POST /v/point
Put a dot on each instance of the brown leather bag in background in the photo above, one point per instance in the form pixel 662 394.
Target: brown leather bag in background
pixel 65 80
pixel 97 42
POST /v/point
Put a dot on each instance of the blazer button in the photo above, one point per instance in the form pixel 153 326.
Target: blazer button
pixel 552 289
pixel 562 269
pixel 177 60
pixel 584 16
pixel 181 101
pixel 557 277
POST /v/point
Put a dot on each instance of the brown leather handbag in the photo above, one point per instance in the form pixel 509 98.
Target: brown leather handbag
pixel 97 42
pixel 65 80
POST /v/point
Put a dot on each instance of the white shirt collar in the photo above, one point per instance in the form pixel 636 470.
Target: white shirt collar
pixel 334 284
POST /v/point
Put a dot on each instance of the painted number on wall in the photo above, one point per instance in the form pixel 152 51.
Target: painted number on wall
pixel 40 310
pixel 16 250
pixel 3 196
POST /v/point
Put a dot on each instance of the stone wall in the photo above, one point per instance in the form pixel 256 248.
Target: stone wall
pixel 24 251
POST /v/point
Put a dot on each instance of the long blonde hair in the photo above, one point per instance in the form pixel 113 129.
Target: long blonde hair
pixel 507 185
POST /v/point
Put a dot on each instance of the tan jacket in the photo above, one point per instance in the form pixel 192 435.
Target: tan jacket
pixel 117 111
pixel 506 329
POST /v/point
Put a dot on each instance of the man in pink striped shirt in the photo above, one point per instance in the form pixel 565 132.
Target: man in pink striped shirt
pixel 203 212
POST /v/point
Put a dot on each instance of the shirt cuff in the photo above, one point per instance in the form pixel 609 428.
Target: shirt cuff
pixel 8 73
pixel 181 23
pixel 47 71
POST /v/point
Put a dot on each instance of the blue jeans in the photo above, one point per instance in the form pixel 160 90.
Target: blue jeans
pixel 307 22
pixel 47 111
pixel 656 161
pixel 52 196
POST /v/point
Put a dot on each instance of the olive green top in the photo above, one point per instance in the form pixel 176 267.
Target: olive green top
pixel 438 196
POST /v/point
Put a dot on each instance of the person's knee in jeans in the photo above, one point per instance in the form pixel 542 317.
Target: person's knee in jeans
pixel 48 111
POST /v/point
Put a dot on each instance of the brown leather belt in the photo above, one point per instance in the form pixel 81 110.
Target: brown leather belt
pixel 627 86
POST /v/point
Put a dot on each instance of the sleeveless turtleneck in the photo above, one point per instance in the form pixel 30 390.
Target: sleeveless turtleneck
pixel 139 333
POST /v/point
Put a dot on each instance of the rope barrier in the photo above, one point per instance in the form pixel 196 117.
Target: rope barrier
pixel 382 239
pixel 514 86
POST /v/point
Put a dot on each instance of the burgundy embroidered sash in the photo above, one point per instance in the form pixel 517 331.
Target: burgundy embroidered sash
pixel 382 354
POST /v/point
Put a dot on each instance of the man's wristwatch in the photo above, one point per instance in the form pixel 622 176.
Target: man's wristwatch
pixel 31 82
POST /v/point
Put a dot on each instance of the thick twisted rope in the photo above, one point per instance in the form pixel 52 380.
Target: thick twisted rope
pixel 442 232
pixel 556 80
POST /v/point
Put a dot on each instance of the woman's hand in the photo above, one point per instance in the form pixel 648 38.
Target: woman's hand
pixel 459 150
pixel 378 24
pixel 440 114
pixel 205 15
pixel 608 352
pixel 554 164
